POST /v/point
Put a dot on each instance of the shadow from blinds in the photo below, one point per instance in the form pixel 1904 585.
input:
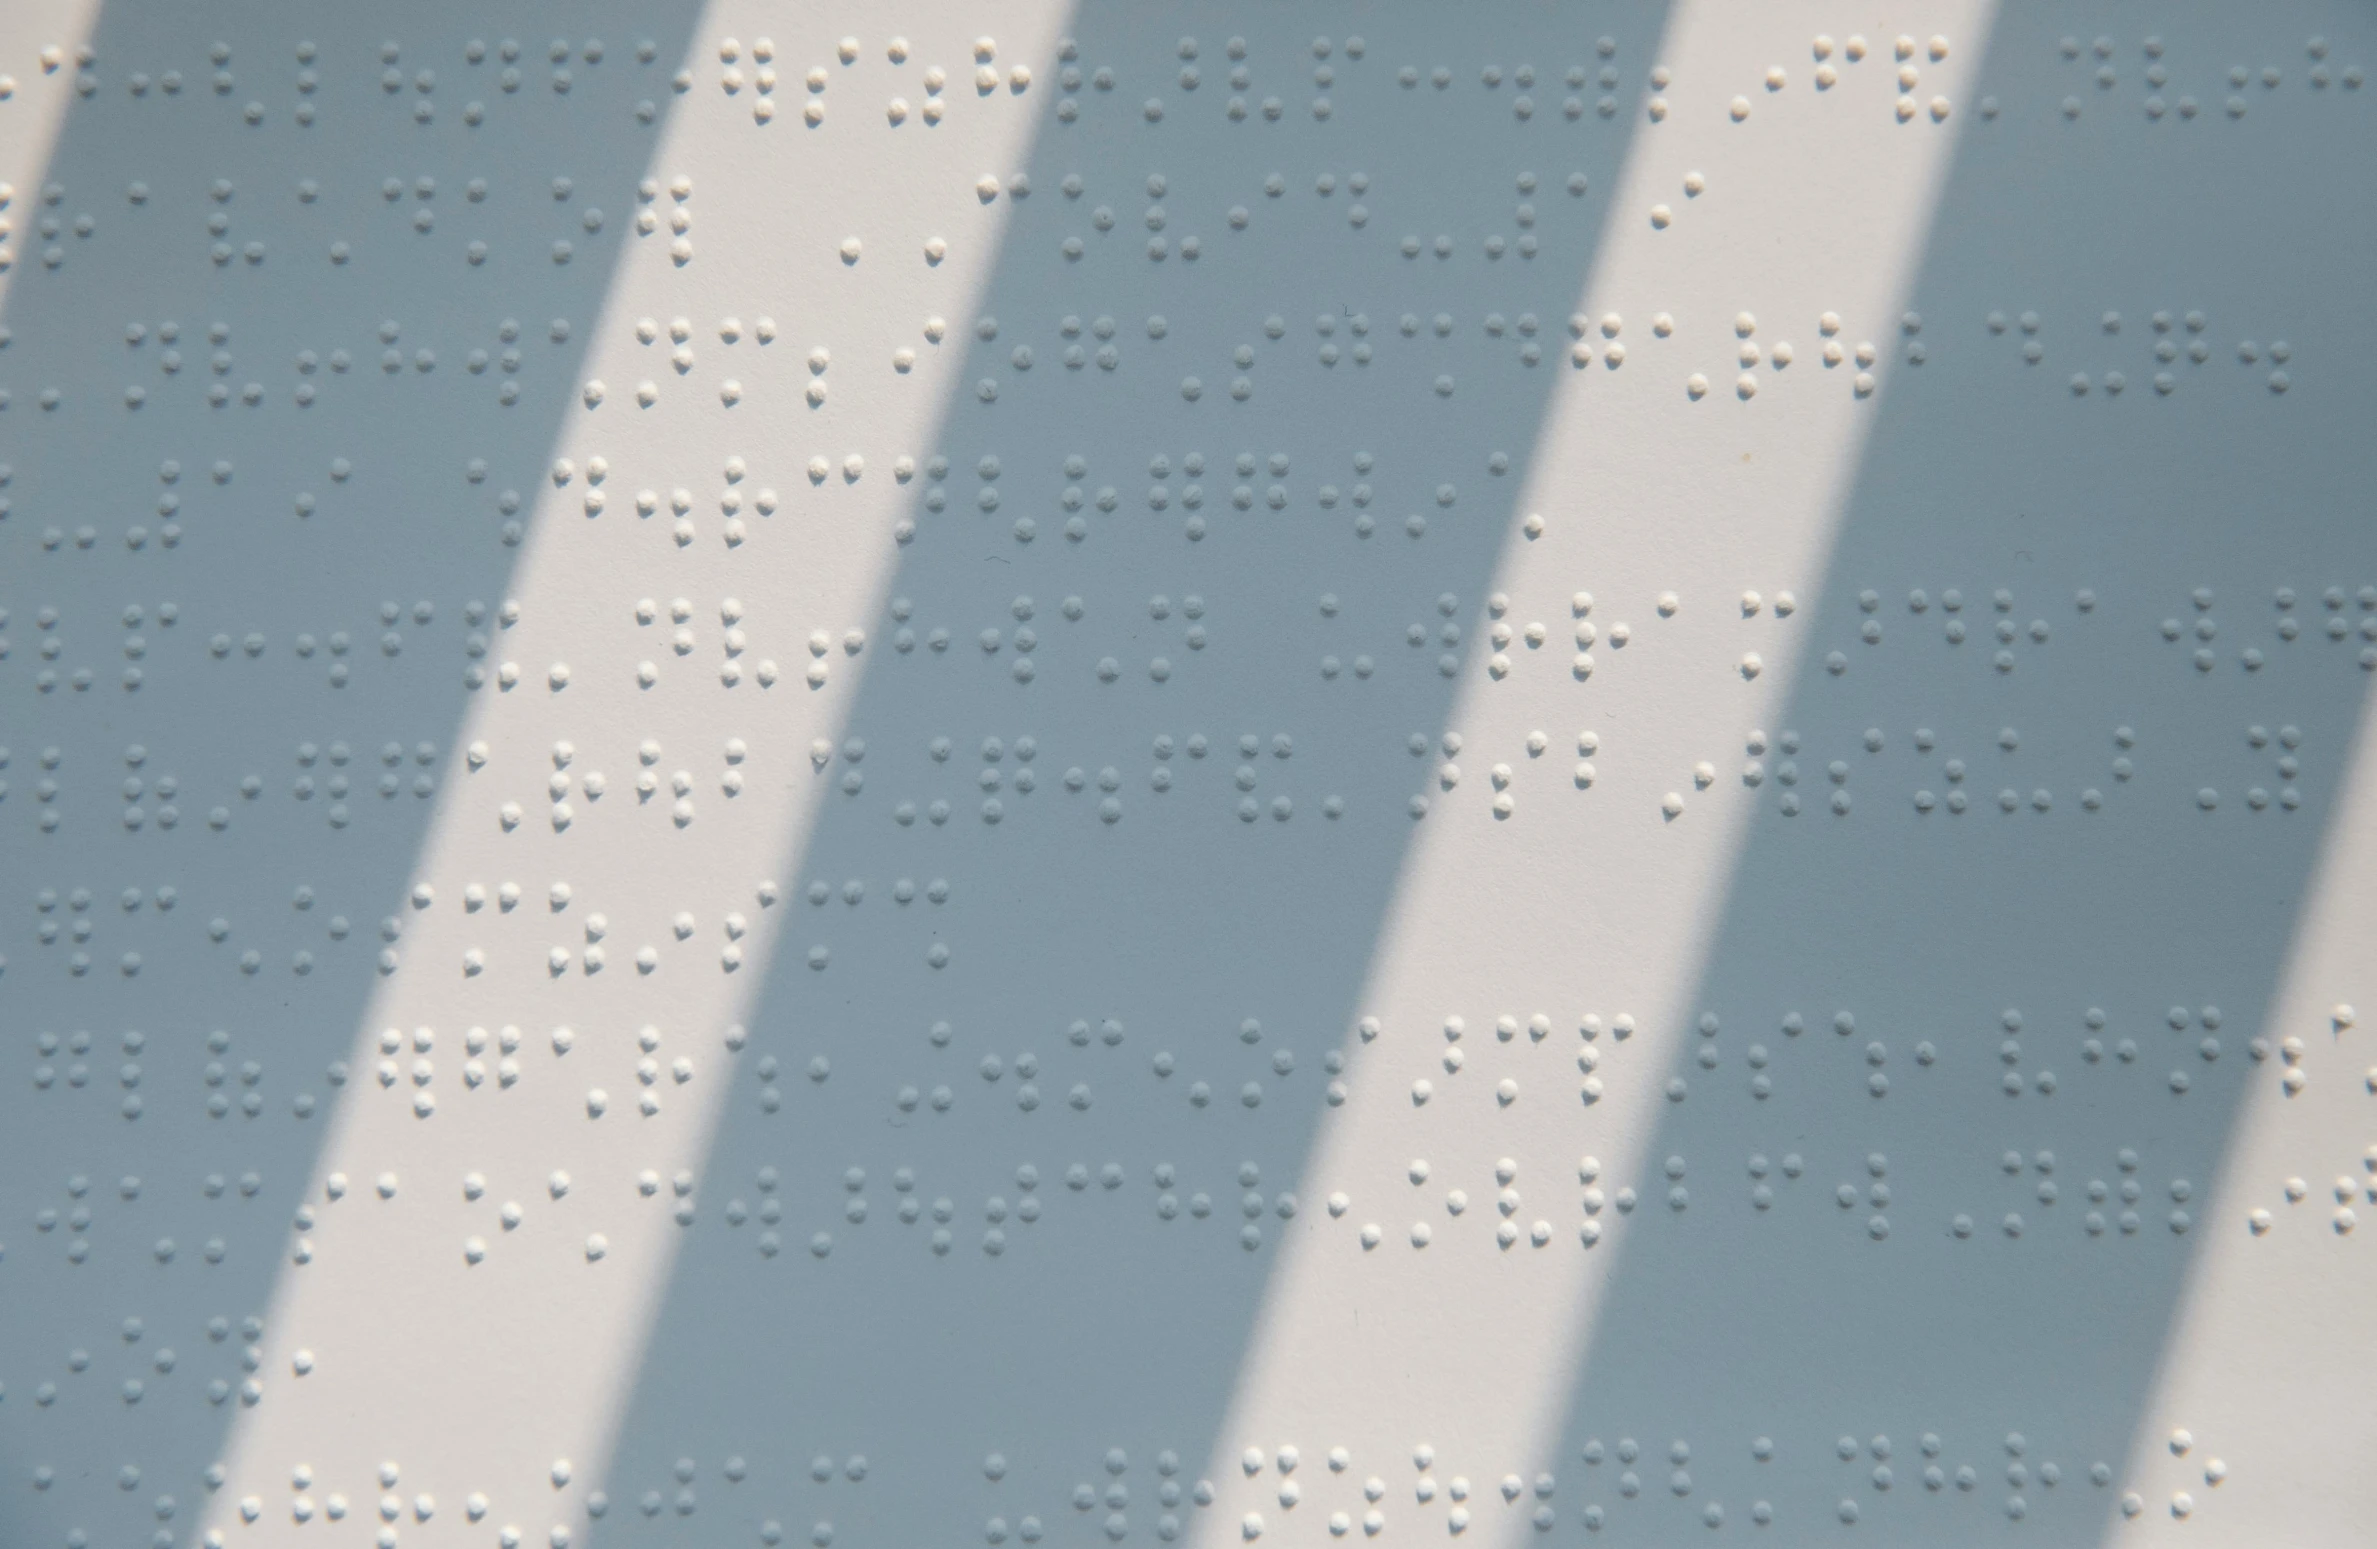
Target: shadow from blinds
pixel 1025 1204
pixel 290 620
pixel 1957 1083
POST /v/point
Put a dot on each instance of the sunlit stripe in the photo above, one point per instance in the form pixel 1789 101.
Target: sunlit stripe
pixel 478 1380
pixel 1593 901
pixel 34 110
pixel 2261 1415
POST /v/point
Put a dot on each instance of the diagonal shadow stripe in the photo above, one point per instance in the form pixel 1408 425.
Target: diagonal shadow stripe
pixel 1952 1095
pixel 167 1077
pixel 950 1259
pixel 733 1344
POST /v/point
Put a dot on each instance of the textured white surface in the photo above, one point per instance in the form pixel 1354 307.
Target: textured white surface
pixel 2265 1378
pixel 1162 779
pixel 37 95
pixel 1628 906
pixel 537 1356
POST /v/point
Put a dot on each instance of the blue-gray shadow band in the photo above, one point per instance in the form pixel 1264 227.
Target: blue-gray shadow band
pixel 138 1247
